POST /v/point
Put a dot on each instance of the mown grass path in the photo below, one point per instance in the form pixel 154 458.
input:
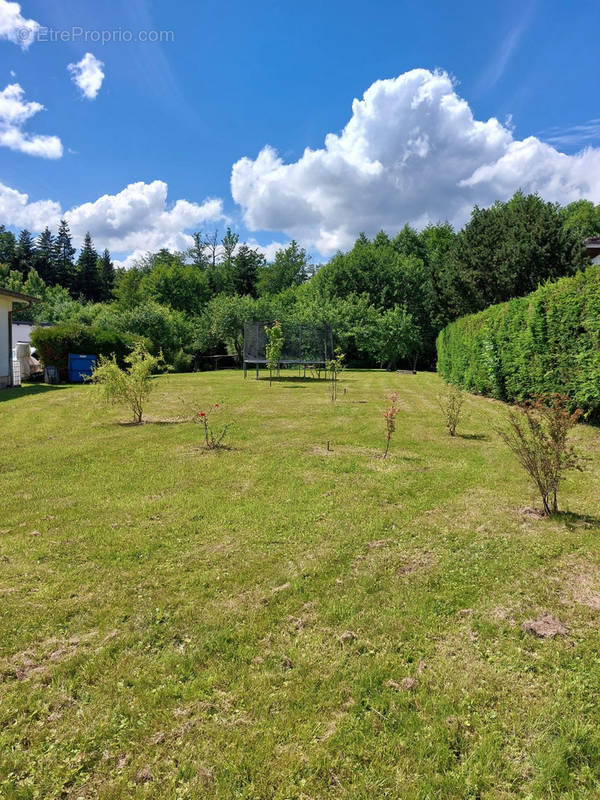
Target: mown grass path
pixel 178 623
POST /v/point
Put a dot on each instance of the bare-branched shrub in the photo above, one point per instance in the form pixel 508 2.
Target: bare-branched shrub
pixel 451 404
pixel 214 438
pixel 390 420
pixel 131 386
pixel 538 434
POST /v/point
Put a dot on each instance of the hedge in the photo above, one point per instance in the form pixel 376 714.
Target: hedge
pixel 55 343
pixel 548 341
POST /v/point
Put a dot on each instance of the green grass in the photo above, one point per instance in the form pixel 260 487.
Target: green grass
pixel 183 612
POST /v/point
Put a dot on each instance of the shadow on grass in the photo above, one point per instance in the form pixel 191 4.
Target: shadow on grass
pixel 573 520
pixel 283 379
pixel 28 390
pixel 150 421
pixel 473 437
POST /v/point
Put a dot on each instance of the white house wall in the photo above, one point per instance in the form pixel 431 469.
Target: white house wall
pixel 5 353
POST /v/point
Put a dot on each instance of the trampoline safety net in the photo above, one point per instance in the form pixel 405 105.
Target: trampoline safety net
pixel 302 344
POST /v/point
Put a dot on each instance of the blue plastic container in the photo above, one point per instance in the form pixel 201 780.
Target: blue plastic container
pixel 80 367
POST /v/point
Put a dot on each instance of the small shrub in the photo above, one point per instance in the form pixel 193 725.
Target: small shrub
pixel 335 366
pixel 274 348
pixel 390 420
pixel 131 386
pixel 451 403
pixel 537 434
pixel 182 361
pixel 56 342
pixel 213 438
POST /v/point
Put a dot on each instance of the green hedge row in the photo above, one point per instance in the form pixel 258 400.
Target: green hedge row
pixel 548 341
pixel 55 343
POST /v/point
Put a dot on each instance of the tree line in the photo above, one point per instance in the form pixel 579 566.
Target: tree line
pixel 386 298
pixel 52 257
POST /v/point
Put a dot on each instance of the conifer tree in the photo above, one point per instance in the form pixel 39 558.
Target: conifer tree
pixel 88 277
pixel 65 266
pixel 106 274
pixel 24 253
pixel 7 247
pixel 45 257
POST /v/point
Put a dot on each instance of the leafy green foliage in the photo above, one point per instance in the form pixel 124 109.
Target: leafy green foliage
pixel 386 299
pixel 289 268
pixel 546 342
pixel 398 336
pixel 451 402
pixel 182 287
pixel 335 366
pixel 274 347
pixel 130 386
pixel 55 343
pixel 506 251
pixel 389 417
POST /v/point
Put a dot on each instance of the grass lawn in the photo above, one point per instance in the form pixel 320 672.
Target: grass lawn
pixel 176 623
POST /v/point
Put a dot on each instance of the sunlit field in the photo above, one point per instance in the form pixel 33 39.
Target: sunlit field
pixel 288 618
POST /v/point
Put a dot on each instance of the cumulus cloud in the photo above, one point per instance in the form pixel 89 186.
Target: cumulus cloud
pixel 14 26
pixel 88 75
pixel 138 218
pixel 269 251
pixel 17 211
pixel 412 151
pixel 134 221
pixel 14 113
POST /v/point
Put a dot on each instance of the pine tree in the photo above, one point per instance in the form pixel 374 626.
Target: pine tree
pixel 7 246
pixel 65 266
pixel 45 257
pixel 24 253
pixel 88 277
pixel 106 274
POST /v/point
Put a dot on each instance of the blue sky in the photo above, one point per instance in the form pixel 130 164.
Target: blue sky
pixel 237 77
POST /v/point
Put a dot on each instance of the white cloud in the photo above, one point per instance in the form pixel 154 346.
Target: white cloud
pixel 573 135
pixel 17 211
pixel 411 152
pixel 14 26
pixel 508 46
pixel 88 75
pixel 14 113
pixel 269 251
pixel 134 221
pixel 138 218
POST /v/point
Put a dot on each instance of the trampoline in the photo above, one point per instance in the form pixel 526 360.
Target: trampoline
pixel 304 346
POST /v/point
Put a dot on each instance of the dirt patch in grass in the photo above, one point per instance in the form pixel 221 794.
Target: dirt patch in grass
pixel 531 513
pixel 339 715
pixel 387 555
pixel 37 659
pixel 581 585
pixel 546 626
pixel 317 450
pixel 415 563
pixel 502 614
